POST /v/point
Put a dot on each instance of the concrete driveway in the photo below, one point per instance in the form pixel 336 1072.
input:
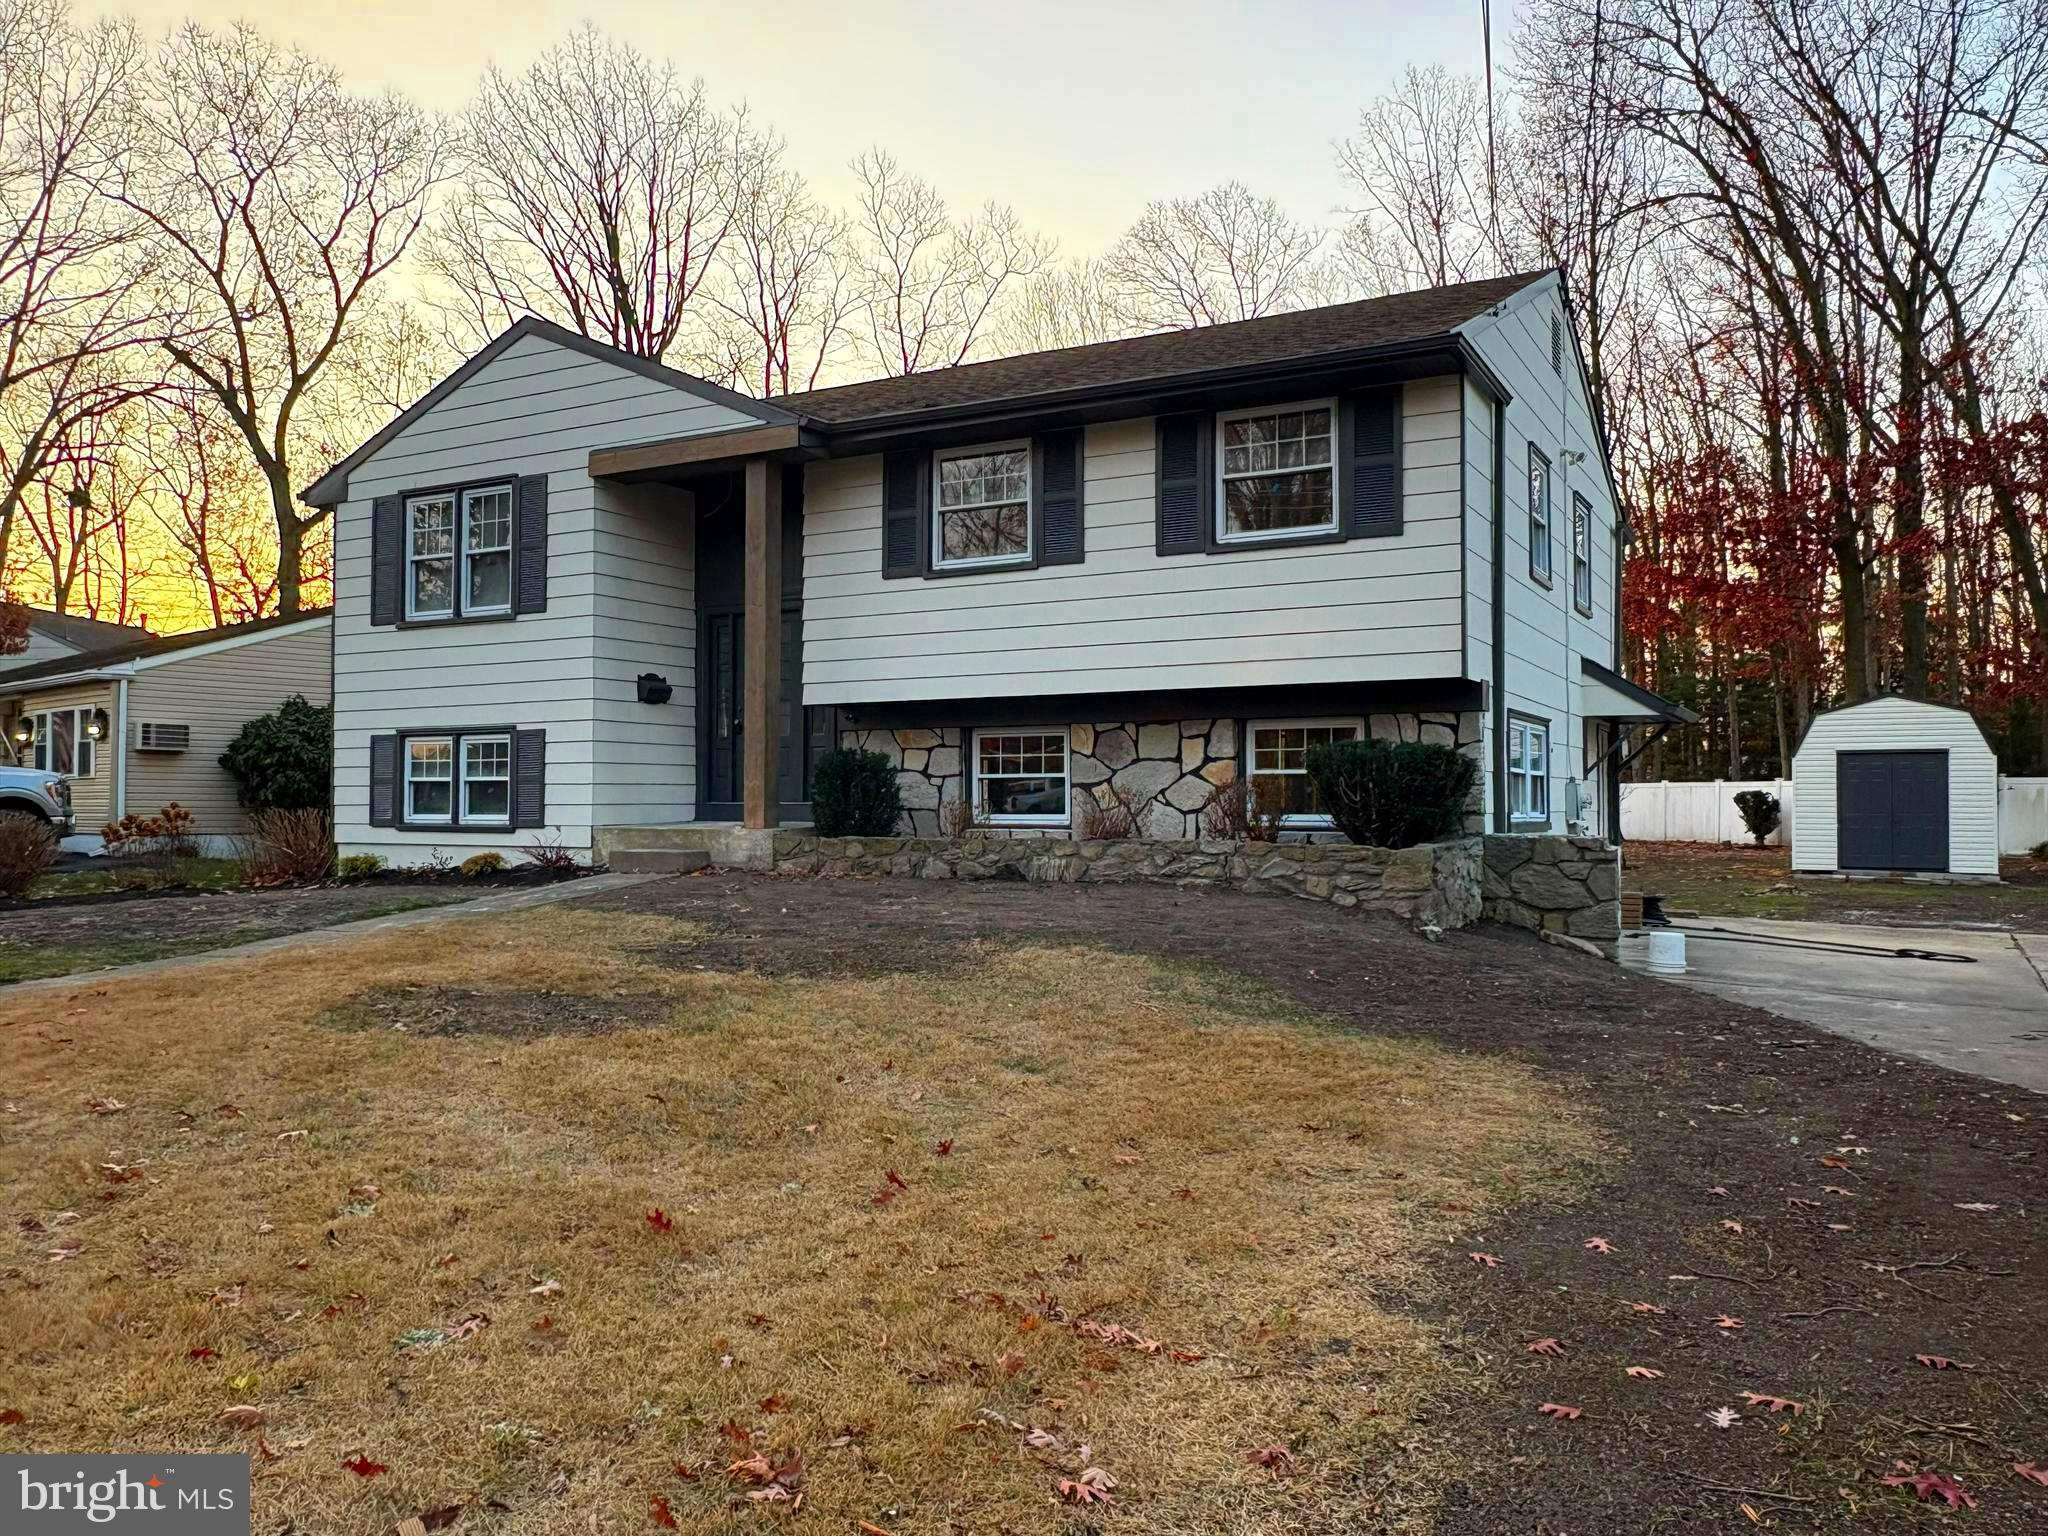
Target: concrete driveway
pixel 1970 999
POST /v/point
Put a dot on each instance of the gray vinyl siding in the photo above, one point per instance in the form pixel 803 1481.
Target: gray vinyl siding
pixel 1897 725
pixel 1127 618
pixel 1545 635
pixel 215 694
pixel 538 408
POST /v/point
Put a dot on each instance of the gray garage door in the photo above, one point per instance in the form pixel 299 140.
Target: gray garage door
pixel 1892 810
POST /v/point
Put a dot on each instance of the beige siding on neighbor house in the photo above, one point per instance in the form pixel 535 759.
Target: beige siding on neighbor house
pixel 216 693
pixel 91 798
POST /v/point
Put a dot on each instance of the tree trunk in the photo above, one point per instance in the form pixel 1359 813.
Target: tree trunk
pixel 291 540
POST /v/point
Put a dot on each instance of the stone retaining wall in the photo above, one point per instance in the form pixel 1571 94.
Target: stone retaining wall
pixel 1561 887
pixel 1436 883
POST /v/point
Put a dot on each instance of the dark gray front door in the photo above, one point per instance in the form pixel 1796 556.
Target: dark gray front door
pixel 721 684
pixel 1891 810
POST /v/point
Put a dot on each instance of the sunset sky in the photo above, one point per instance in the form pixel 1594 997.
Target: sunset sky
pixel 1074 113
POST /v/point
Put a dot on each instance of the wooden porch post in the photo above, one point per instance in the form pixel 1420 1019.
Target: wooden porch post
pixel 762 583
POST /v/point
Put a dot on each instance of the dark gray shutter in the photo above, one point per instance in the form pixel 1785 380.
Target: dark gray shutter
pixel 531 562
pixel 1369 463
pixel 1056 490
pixel 906 507
pixel 529 778
pixel 387 560
pixel 383 781
pixel 1185 491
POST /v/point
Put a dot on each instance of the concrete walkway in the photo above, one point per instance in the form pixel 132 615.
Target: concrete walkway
pixel 369 927
pixel 1971 999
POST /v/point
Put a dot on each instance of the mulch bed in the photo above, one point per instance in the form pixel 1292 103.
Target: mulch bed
pixel 515 877
pixel 1719 1114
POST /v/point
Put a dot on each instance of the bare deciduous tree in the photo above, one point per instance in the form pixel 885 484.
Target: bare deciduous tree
pixel 930 282
pixel 278 201
pixel 1225 255
pixel 71 274
pixel 597 187
pixel 1069 305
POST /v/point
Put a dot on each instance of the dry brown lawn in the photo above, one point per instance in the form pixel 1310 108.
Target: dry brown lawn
pixel 948 1237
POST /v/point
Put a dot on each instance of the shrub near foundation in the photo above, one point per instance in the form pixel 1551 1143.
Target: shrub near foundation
pixel 1393 794
pixel 855 794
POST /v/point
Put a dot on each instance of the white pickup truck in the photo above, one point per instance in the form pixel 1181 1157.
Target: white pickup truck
pixel 34 792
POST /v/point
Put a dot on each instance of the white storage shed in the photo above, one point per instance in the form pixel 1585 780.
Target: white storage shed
pixel 1895 785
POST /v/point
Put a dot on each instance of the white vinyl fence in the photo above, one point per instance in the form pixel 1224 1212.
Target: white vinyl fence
pixel 1705 812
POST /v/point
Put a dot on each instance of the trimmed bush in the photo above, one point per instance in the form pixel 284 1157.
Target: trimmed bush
pixel 1759 811
pixel 478 864
pixel 28 847
pixel 360 866
pixel 284 761
pixel 855 794
pixel 1393 794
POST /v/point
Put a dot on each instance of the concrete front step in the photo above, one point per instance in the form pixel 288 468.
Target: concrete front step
pixel 657 861
pixel 733 847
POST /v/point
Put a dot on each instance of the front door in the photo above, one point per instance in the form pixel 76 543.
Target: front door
pixel 1891 810
pixel 721 684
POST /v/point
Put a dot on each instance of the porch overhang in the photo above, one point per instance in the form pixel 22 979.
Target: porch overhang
pixel 1607 695
pixel 705 453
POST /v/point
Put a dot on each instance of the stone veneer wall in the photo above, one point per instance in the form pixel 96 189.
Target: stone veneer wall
pixel 1172 766
pixel 1561 887
pixel 1437 883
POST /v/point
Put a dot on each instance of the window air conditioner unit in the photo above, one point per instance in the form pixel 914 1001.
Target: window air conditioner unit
pixel 161 736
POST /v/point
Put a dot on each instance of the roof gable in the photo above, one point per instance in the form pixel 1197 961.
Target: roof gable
pixel 147 648
pixel 332 487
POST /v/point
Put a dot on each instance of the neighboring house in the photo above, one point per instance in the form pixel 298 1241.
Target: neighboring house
pixel 142 722
pixel 51 635
pixel 580 591
pixel 1895 785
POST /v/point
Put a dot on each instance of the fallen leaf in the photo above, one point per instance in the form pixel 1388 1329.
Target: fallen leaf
pixel 362 1466
pixel 895 1178
pixel 755 1468
pixel 883 1195
pixel 659 1219
pixel 1727 1322
pixel 442 1263
pixel 1487 1259
pixel 945 1148
pixel 440 1519
pixel 1928 1486
pixel 1732 1226
pixel 365 1192
pixel 738 1436
pixel 1836 1189
pixel 1719 1191
pixel 543 1324
pixel 1128 1159
pixel 1188 1356
pixel 1942 1363
pixel 241 1416
pixel 1546 1347
pixel 201 1353
pixel 772 1403
pixel 1644 1373
pixel 1724 1418
pixel 1010 1362
pixel 1091 1487
pixel 2031 1472
pixel 1646 1306
pixel 100 1106
pixel 1775 1404
pixel 1599 1245
pixel 1560 1410
pixel 470 1326
pixel 660 1513
pixel 12 1416
pixel 546 1288
pixel 1276 1459
pixel 1976 1205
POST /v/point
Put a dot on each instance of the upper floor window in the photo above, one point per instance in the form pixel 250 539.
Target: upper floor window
pixel 981 505
pixel 459 553
pixel 1528 770
pixel 1582 554
pixel 1275 472
pixel 1539 516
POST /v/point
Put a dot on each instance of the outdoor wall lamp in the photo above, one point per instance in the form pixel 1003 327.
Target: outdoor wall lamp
pixel 653 688
pixel 96 725
pixel 24 731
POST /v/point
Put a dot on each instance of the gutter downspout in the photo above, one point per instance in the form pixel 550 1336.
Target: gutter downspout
pixel 1500 615
pixel 119 742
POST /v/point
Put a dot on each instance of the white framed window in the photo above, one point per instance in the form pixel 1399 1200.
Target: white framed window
pixel 62 745
pixel 487 781
pixel 1582 554
pixel 1278 752
pixel 1020 778
pixel 1276 472
pixel 981 506
pixel 1528 770
pixel 430 557
pixel 430 779
pixel 1539 516
pixel 487 550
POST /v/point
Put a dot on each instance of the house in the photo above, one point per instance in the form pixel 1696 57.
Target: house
pixel 143 721
pixel 51 635
pixel 1895 785
pixel 580 591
